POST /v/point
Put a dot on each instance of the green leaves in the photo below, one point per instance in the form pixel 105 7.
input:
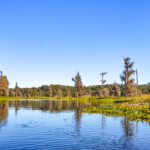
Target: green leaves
pixel 136 112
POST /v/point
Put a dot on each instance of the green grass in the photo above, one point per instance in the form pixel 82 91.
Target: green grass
pixel 3 98
pixel 140 99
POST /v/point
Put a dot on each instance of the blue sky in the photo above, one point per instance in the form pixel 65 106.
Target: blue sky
pixel 48 41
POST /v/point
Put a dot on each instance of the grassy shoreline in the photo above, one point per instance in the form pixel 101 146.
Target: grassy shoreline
pixel 141 100
pixel 134 108
pixel 142 97
pixel 30 98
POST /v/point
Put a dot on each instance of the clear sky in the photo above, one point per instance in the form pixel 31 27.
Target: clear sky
pixel 46 42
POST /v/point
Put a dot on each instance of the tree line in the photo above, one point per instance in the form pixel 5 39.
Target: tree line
pixel 128 87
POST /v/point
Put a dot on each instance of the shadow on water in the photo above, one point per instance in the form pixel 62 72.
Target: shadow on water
pixel 122 101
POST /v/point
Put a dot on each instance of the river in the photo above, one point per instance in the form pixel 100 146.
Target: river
pixel 50 124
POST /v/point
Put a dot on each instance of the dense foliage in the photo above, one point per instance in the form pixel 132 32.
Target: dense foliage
pixel 70 91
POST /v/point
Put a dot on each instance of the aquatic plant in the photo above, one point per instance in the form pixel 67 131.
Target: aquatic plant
pixel 132 111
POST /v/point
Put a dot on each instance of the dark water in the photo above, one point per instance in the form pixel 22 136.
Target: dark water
pixel 62 125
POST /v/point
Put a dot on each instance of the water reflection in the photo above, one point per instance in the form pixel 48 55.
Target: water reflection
pixel 51 106
pixel 93 130
pixel 78 116
pixel 128 127
pixel 3 114
pixel 103 121
pixel 59 106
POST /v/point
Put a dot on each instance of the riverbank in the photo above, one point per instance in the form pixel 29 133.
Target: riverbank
pixel 134 108
pixel 3 98
pixel 144 99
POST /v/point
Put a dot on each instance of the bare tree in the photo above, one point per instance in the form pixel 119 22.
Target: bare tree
pixel 105 91
pixel 17 91
pixel 103 81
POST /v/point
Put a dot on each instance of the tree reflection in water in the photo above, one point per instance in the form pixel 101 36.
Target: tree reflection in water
pixel 3 113
pixel 54 106
pixel 51 106
pixel 128 127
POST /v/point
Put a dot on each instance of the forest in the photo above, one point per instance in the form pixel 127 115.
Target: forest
pixel 129 87
pixel 70 91
pixel 126 99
